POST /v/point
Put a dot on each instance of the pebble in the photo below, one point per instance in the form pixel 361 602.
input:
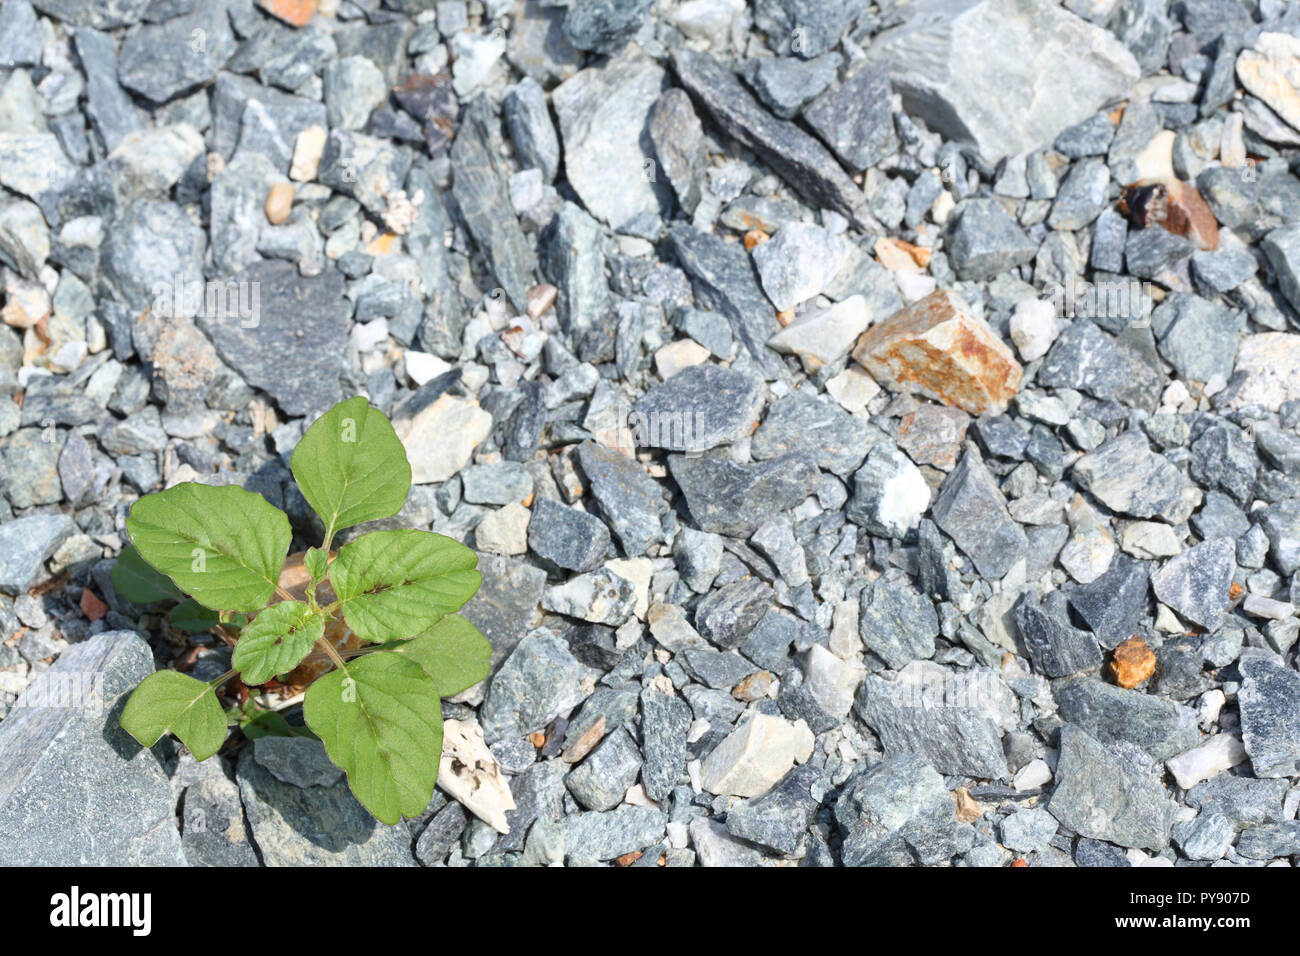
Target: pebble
pixel 751 761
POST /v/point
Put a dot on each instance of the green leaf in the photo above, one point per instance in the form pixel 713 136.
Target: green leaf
pixel 315 561
pixel 170 701
pixel 381 722
pixel 393 584
pixel 257 722
pixel 351 466
pixel 277 641
pixel 136 581
pixel 452 652
pixel 223 545
pixel 193 617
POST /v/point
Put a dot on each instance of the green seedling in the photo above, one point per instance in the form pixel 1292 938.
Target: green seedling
pixel 378 710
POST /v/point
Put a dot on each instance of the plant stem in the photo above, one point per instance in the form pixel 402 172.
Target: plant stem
pixel 332 654
pixel 214 684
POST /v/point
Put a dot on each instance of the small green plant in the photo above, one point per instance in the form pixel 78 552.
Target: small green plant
pixel 378 710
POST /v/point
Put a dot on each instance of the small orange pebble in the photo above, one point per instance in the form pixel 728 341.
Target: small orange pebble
pixel 1235 591
pixel 538 739
pixel 785 317
pixel 1019 862
pixel 627 859
pixel 1132 662
pixel 755 237
pixel 279 203
pixel 91 605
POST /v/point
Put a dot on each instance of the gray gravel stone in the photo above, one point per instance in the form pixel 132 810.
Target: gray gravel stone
pixel 1195 583
pixel 1162 728
pixel 77 790
pixel 1104 793
pixel 539 681
pixel 726 498
pixel 897 622
pixel 971 510
pixel 896 813
pixel 699 408
pixel 1270 716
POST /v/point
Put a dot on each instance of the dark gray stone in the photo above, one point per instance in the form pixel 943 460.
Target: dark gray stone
pixel 727 615
pixel 678 139
pixel 839 441
pixel 950 733
pixel 1113 605
pixel 897 813
pixel 854 118
pixel 779 818
pixel 785 83
pixel 1056 648
pixel 665 720
pixel 699 408
pixel 159 61
pixel 798 158
pixel 896 622
pixel 603 778
pixel 723 278
pixel 627 498
pixel 294 352
pixel 566 537
pixel 484 198
pixel 539 681
pixel 604 26
pixel 76 790
pixel 726 498
pixel 1195 583
pixel 571 257
pixel 1162 728
pixel 531 130
pixel 985 241
pixel 1269 700
pixel 1105 793
pixel 25 544
pixel 317 826
pixel 971 510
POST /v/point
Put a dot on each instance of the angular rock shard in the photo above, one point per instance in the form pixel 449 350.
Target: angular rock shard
pixel 940 348
pixel 1003 75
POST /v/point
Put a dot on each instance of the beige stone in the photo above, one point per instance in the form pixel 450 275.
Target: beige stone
pixel 756 756
pixel 441 439
pixel 1272 72
pixel 307 151
pixel 279 203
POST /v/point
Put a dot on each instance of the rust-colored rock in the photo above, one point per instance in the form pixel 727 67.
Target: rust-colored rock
pixel 293 12
pixel 92 606
pixel 1020 862
pixel 1132 662
pixel 755 237
pixel 968 809
pixel 938 347
pixel 1189 215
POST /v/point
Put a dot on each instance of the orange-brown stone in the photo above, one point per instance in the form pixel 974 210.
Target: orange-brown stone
pixel 293 12
pixel 968 809
pixel 940 348
pixel 1132 662
pixel 1189 215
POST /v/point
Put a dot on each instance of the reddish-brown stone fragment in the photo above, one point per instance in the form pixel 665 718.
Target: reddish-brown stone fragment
pixel 939 348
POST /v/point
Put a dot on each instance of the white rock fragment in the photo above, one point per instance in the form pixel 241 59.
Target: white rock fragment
pixel 471 775
pixel 638 571
pixel 831 681
pixel 1149 540
pixel 825 336
pixel 756 756
pixel 1034 328
pixel 853 388
pixel 308 149
pixel 1211 758
pixel 1032 775
pixel 504 531
pixel 675 356
pixel 440 439
pixel 1258 606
